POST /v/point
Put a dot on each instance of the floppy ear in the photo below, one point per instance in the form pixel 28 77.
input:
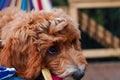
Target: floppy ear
pixel 4 56
pixel 23 56
pixel 33 63
pixel 77 44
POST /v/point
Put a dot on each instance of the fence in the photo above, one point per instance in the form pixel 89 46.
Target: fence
pixel 95 31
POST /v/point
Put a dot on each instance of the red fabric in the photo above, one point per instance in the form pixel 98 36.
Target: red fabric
pixel 55 77
pixel 16 2
pixel 40 5
pixel 9 2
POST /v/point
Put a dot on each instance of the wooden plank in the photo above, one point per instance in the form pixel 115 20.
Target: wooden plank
pixel 92 27
pixel 100 32
pixel 101 53
pixel 73 12
pixel 84 1
pixel 96 5
pixel 84 23
pixel 116 42
pixel 108 38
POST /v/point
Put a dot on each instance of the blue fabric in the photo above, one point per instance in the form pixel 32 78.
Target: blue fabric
pixel 5 3
pixel 13 78
pixel 31 5
pixel 7 74
pixel 1 4
pixel 24 5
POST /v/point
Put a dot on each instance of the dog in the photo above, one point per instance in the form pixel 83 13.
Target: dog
pixel 38 39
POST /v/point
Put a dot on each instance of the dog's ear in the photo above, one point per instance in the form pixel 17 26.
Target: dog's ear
pixel 33 67
pixel 22 55
pixel 4 55
pixel 76 43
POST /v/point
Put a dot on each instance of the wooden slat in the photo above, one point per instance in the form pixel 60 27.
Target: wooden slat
pixel 101 53
pixel 116 42
pixel 100 32
pixel 96 5
pixel 92 27
pixel 86 1
pixel 84 23
pixel 73 12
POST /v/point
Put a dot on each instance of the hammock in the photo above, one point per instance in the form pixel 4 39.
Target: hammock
pixel 27 5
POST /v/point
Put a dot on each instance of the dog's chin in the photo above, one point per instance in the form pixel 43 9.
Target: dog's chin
pixel 72 78
pixel 69 78
pixel 75 76
pixel 54 77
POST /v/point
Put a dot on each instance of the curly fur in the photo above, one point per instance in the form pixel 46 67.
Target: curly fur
pixel 27 38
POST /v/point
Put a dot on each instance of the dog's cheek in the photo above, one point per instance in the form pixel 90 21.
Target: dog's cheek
pixel 58 70
pixel 55 66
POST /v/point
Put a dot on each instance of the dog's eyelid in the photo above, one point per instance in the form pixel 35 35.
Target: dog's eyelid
pixel 53 50
pixel 73 41
pixel 49 23
pixel 38 45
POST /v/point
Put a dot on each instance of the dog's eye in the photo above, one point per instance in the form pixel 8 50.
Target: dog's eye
pixel 73 41
pixel 52 50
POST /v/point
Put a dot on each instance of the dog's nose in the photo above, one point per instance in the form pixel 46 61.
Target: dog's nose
pixel 78 74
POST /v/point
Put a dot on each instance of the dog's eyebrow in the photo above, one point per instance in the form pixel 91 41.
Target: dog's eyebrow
pixel 56 26
pixel 58 20
pixel 61 26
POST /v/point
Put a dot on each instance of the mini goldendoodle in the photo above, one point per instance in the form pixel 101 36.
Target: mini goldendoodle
pixel 37 39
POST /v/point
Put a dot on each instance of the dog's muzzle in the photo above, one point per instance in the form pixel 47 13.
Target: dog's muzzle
pixel 78 74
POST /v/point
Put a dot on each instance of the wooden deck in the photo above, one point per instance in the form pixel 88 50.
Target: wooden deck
pixel 103 71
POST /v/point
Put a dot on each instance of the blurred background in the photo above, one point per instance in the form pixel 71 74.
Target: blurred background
pixel 100 35
pixel 99 23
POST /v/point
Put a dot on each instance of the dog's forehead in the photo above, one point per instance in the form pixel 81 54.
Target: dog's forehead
pixel 60 36
pixel 52 24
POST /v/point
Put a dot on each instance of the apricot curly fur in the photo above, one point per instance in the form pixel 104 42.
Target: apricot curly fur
pixel 28 36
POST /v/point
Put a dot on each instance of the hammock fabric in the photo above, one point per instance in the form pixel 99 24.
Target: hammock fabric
pixel 27 5
pixel 7 74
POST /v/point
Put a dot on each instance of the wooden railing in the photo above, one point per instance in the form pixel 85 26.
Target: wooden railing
pixel 95 31
pixel 98 32
pixel 74 5
pixel 102 53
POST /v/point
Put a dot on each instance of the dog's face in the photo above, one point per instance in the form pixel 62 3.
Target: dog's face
pixel 63 52
pixel 63 55
pixel 49 40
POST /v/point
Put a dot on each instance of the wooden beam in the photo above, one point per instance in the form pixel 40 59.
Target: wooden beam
pixel 93 1
pixel 101 53
pixel 73 12
pixel 96 5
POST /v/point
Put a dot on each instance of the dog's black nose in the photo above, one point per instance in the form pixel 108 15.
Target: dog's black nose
pixel 78 74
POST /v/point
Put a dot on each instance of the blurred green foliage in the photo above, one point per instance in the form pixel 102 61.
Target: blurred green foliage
pixel 60 2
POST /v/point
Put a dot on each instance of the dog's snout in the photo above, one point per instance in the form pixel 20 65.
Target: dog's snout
pixel 78 74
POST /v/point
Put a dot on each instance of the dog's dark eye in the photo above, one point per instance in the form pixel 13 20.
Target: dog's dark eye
pixel 52 50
